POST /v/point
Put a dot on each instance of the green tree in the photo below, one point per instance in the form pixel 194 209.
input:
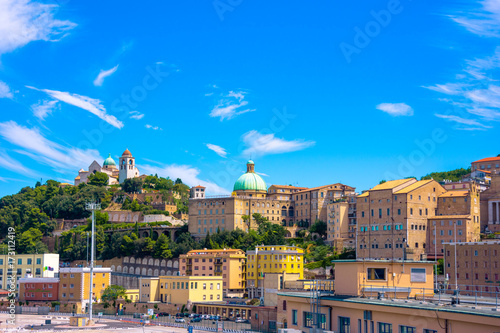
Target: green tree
pixel 132 185
pixel 112 293
pixel 319 227
pixel 161 248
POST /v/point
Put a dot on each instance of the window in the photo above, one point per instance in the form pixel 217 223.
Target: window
pixel 294 317
pixel 308 319
pixel 344 324
pixel 384 328
pixel 430 331
pixel 376 273
pixel 407 329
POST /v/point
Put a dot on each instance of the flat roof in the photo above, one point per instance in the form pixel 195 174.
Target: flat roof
pixel 383 261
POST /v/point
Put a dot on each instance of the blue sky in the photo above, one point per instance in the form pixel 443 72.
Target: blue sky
pixel 350 92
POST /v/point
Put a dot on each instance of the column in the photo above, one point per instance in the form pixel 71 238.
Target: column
pixel 490 212
pixel 498 212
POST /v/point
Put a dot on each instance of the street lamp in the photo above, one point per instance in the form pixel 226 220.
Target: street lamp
pixel 92 206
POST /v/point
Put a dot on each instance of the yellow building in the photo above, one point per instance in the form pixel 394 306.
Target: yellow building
pixel 149 290
pixel 132 295
pixel 341 223
pixel 180 290
pixel 38 265
pixel 272 259
pixel 228 263
pixel 75 283
pixel 350 310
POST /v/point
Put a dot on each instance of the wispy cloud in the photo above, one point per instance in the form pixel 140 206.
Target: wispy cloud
pixel 92 105
pixel 99 80
pixel 25 21
pixel 188 174
pixel 396 109
pixel 484 20
pixel 156 128
pixel 136 115
pixel 44 108
pixel 33 144
pixel 217 149
pixel 4 88
pixel 460 120
pixel 267 144
pixel 12 164
pixel 230 105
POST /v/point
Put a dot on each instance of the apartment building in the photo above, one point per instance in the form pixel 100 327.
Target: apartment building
pixel 149 289
pixel 38 265
pixel 489 164
pixel 38 289
pixel 457 220
pixel 272 259
pixel 392 218
pixel 227 263
pixel 180 290
pixel 490 206
pixel 341 223
pixel 74 284
pixel 476 268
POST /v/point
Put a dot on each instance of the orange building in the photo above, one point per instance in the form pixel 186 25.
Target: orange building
pixel 38 289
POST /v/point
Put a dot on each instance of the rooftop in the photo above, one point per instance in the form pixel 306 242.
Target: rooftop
pixel 389 185
pixel 455 193
pixel 338 185
pixel 488 159
pixel 414 186
pixel 438 217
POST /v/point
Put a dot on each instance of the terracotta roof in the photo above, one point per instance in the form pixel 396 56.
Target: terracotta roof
pixel 198 186
pixel 289 186
pixel 391 184
pixel 127 153
pixel 443 217
pixel 455 193
pixel 485 171
pixel 413 186
pixel 320 187
pixel 488 159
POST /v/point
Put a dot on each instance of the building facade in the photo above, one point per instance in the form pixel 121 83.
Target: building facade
pixel 38 289
pixel 181 290
pixel 489 164
pixel 341 224
pixel 272 259
pixel 149 289
pixel 37 265
pixel 490 206
pixel 392 219
pixel 226 263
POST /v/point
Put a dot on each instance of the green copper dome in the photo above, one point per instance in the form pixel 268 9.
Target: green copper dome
pixel 250 181
pixel 109 161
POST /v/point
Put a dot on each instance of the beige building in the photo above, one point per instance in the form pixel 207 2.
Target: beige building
pixel 476 269
pixel 457 219
pixel 38 265
pixel 392 218
pixel 149 289
pixel 74 284
pixel 489 164
pixel 272 259
pixel 181 290
pixel 293 207
pixel 350 309
pixel 490 206
pixel 341 224
pixel 226 263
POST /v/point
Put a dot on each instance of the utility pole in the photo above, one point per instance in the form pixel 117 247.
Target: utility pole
pixel 435 256
pixel 92 206
pixel 456 273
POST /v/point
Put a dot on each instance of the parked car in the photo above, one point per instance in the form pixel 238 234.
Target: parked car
pixel 205 316
pixel 163 314
pixel 196 320
pixel 180 320
pixel 240 320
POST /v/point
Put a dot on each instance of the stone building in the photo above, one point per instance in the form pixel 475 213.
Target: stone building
pixel 341 224
pixel 293 207
pixel 490 206
pixel 489 164
pixel 392 218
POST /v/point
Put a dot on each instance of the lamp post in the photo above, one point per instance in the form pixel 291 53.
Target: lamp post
pixel 456 272
pixel 92 206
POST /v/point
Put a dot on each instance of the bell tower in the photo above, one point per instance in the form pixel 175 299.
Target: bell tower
pixel 126 166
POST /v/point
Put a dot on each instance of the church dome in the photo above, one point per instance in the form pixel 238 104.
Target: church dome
pixel 250 181
pixel 109 161
pixel 127 153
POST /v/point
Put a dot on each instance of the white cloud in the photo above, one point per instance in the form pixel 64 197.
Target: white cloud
pixel 448 88
pixel 470 122
pixel 156 128
pixel 44 108
pixel 92 105
pixel 217 149
pixel 5 90
pixel 99 80
pixel 42 150
pixel 136 115
pixel 11 164
pixel 25 21
pixel 230 106
pixel 267 144
pixel 396 109
pixel 187 173
pixel 483 21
